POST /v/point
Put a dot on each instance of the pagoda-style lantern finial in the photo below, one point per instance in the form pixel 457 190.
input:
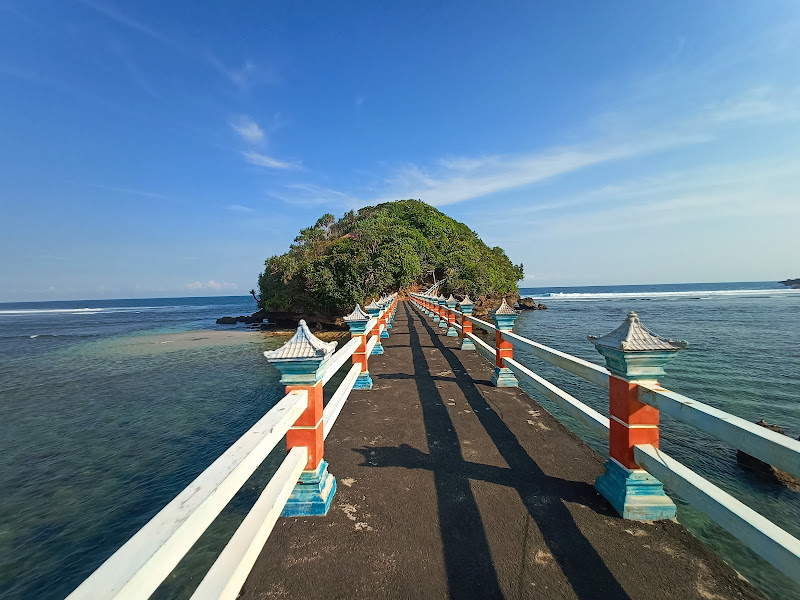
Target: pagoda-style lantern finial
pixel 451 301
pixel 301 360
pixel 358 321
pixel 466 302
pixel 633 352
pixel 373 308
pixel 357 317
pixel 504 316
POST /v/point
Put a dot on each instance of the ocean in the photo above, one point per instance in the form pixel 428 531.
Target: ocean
pixel 109 408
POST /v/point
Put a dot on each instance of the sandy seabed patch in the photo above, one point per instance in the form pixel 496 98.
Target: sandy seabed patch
pixel 206 338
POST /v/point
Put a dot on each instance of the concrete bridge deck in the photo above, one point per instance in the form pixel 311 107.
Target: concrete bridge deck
pixel 450 487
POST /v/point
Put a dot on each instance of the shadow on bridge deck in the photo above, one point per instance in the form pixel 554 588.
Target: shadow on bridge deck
pixel 450 487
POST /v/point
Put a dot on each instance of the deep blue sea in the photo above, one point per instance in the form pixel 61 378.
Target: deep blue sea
pixel 109 408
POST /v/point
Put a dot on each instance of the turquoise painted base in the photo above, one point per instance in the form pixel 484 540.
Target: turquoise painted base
pixel 504 377
pixel 466 344
pixel 384 334
pixel 635 495
pixel 442 324
pixel 452 332
pixel 378 349
pixel 389 325
pixel 435 318
pixel 311 495
pixel 363 382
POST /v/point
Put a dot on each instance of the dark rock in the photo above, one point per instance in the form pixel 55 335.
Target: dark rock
pixel 255 318
pixel 793 283
pixel 541 306
pixel 766 470
pixel 486 305
pixel 526 303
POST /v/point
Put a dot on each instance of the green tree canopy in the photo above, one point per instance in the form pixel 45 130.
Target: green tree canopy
pixel 335 264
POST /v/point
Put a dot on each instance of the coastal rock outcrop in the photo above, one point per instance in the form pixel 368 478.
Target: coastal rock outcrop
pixel 530 304
pixel 766 470
pixel 792 283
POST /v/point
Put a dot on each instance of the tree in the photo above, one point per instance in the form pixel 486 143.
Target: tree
pixel 336 264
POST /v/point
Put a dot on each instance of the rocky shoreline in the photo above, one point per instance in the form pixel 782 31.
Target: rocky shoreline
pixel 265 320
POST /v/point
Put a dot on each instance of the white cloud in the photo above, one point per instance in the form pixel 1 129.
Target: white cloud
pixel 239 208
pixel 211 285
pixel 456 179
pixel 262 160
pixel 247 129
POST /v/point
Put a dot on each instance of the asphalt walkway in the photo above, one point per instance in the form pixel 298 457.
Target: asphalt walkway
pixel 450 487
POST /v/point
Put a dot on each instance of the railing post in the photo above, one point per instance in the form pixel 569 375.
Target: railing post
pixel 442 312
pixel 302 362
pixel 435 308
pixel 466 306
pixel 357 321
pixel 503 318
pixel 394 309
pixel 451 316
pixel 633 355
pixel 383 319
pixel 374 310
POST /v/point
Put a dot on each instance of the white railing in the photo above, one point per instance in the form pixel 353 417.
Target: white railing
pixel 137 569
pixel 336 403
pixel 227 575
pixel 339 358
pixel 589 371
pixel 774 544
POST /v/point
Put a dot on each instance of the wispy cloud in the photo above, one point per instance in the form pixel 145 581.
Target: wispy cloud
pixel 129 22
pixel 262 160
pixel 239 208
pixel 134 71
pixel 762 103
pixel 211 285
pixel 456 179
pixel 247 129
pixel 308 194
pixel 243 77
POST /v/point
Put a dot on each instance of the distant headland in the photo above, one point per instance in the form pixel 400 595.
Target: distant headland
pixel 794 283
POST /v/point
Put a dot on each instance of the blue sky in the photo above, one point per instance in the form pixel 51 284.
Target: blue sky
pixel 157 148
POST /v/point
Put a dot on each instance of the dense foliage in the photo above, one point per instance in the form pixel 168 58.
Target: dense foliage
pixel 335 264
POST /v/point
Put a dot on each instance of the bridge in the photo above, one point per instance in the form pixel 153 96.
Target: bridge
pixel 428 472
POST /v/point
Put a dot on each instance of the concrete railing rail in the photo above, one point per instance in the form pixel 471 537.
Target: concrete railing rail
pixel 137 569
pixel 757 532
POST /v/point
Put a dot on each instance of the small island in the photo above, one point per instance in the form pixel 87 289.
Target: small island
pixel 792 283
pixel 402 245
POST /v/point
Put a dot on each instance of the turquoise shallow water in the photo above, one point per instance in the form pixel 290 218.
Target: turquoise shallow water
pixel 107 410
pixel 743 357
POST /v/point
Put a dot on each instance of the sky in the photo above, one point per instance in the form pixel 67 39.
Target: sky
pixel 152 148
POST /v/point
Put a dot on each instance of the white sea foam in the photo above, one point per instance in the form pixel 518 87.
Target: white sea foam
pixel 699 294
pixel 68 311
